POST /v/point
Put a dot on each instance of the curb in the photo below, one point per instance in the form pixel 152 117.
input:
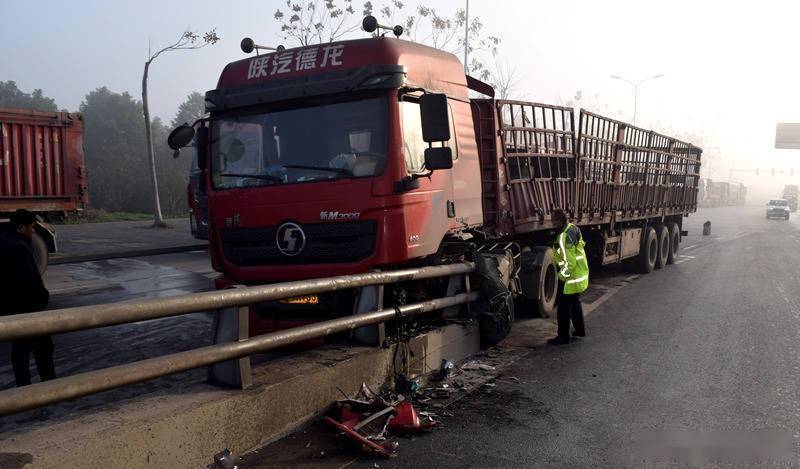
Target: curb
pixel 120 254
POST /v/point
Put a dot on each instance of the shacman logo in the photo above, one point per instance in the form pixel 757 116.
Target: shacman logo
pixel 338 216
pixel 290 239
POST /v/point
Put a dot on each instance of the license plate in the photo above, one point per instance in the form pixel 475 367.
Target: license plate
pixel 301 300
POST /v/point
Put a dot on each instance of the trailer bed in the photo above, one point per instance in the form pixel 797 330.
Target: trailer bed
pixel 601 170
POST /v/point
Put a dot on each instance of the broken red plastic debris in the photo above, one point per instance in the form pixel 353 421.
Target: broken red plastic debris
pixel 406 420
pixel 347 428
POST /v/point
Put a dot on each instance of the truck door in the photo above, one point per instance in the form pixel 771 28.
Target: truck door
pixel 430 206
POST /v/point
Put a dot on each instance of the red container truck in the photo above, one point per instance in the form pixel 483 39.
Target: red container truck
pixel 41 169
pixel 370 154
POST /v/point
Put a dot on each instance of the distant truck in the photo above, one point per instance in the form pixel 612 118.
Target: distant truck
pixel 198 203
pixel 737 193
pixel 791 195
pixel 718 194
pixel 42 169
pixel 370 154
pixel 704 192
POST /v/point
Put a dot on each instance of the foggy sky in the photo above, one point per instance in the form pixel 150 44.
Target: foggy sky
pixel 730 71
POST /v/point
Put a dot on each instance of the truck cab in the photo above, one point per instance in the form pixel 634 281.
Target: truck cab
pixel 316 162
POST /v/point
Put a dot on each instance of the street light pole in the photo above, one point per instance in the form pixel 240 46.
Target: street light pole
pixel 635 86
pixel 466 39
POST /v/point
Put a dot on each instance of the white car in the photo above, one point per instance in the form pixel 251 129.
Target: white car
pixel 778 208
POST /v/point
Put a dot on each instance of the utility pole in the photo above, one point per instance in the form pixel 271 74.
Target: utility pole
pixel 466 40
pixel 635 85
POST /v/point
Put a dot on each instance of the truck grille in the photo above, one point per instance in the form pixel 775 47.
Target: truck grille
pixel 326 243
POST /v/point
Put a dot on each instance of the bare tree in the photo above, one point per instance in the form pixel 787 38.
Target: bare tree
pixel 427 25
pixel 307 22
pixel 188 40
pixel 504 79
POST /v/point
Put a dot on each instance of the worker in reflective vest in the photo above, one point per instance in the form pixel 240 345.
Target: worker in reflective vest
pixel 573 278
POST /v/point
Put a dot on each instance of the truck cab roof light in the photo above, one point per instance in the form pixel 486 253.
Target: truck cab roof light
pixel 248 45
pixel 370 25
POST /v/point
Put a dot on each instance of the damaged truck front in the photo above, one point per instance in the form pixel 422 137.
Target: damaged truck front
pixel 369 154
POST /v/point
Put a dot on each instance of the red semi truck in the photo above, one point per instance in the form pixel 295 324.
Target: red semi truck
pixel 41 169
pixel 368 154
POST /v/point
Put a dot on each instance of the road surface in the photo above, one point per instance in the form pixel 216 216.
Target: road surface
pixel 697 364
pixel 113 280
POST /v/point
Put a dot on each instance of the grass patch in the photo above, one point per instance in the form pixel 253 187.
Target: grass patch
pixel 101 216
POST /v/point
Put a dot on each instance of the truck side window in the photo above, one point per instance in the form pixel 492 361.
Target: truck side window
pixel 413 145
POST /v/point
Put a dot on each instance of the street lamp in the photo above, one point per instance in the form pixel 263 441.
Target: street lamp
pixel 635 85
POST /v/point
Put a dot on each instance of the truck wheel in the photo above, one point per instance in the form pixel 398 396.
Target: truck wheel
pixel 674 242
pixel 548 282
pixel 648 251
pixel 39 253
pixel 539 282
pixel 662 234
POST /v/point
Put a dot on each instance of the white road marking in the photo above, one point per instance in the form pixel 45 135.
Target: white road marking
pixel 690 247
pixel 589 308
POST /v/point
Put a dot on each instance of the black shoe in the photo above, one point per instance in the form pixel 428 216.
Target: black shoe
pixel 578 334
pixel 558 341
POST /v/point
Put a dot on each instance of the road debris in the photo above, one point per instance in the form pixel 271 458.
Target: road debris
pixel 476 365
pixel 445 369
pixel 367 418
pixel 225 459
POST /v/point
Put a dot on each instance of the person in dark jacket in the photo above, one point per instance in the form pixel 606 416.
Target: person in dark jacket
pixel 22 291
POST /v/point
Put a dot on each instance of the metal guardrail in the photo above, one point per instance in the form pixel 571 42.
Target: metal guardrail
pixel 87 317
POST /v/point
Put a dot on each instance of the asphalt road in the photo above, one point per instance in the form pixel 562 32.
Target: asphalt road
pixel 113 280
pixel 695 365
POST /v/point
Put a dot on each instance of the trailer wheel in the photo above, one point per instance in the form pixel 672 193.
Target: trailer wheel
pixel 548 287
pixel 648 251
pixel 662 233
pixel 674 242
pixel 539 282
pixel 39 252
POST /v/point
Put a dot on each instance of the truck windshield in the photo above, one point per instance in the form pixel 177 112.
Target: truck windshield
pixel 317 142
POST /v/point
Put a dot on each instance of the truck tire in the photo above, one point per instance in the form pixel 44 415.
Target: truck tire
pixel 662 234
pixel 39 252
pixel 548 284
pixel 648 251
pixel 674 242
pixel 539 282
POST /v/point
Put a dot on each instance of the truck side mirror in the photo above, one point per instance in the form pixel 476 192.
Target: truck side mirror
pixel 180 136
pixel 435 117
pixel 438 158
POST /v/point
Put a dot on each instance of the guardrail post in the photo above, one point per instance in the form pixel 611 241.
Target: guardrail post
pixel 369 299
pixel 455 284
pixel 232 325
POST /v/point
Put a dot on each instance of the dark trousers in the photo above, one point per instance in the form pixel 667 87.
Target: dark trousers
pixel 569 308
pixel 42 348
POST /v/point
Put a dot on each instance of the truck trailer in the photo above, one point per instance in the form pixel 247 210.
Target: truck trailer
pixel 42 169
pixel 370 154
pixel 791 195
pixel 704 192
pixel 719 194
pixel 737 193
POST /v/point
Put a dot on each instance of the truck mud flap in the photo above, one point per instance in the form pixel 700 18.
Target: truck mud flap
pixel 496 307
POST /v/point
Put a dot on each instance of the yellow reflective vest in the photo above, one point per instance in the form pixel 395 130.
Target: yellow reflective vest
pixel 570 259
